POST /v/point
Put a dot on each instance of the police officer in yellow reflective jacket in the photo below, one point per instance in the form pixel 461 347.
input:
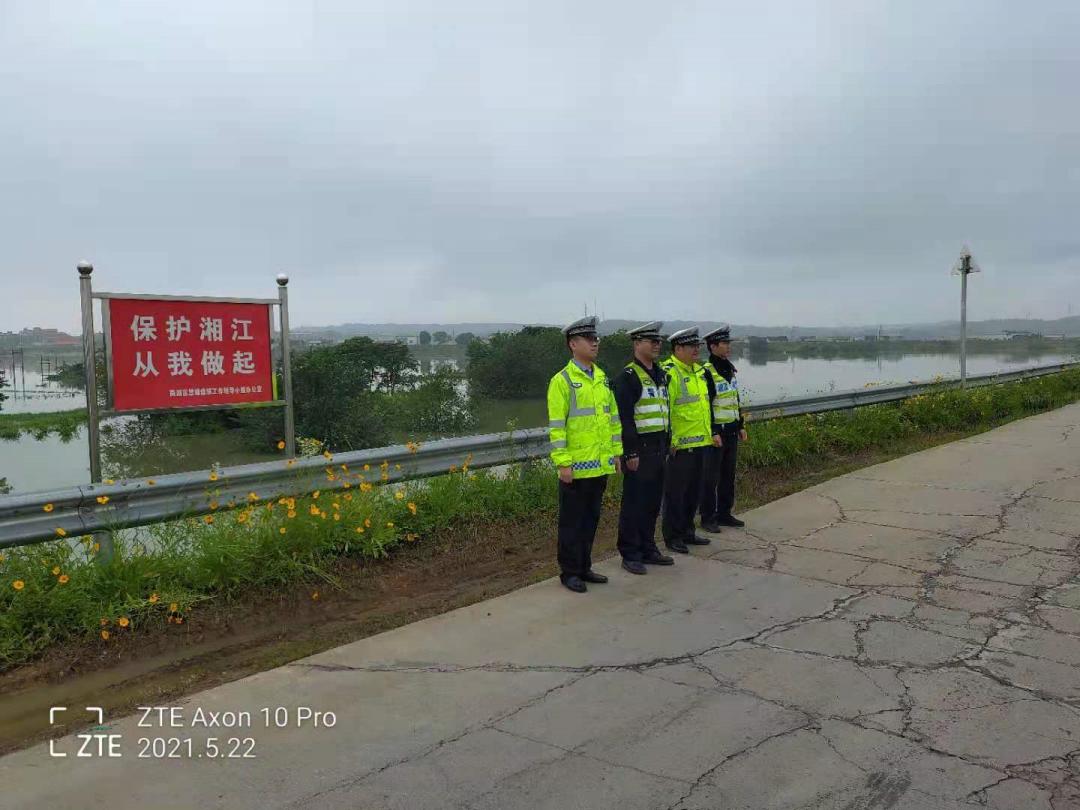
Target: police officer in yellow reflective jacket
pixel 718 488
pixel 690 395
pixel 586 446
pixel 641 394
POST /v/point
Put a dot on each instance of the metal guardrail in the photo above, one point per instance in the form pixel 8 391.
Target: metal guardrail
pixel 92 508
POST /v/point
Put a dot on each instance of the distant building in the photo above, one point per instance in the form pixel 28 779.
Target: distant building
pixel 408 340
pixel 43 337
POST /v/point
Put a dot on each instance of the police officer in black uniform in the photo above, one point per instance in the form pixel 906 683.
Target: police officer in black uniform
pixel 718 484
pixel 641 396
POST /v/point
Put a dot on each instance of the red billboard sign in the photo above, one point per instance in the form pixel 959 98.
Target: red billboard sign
pixel 176 353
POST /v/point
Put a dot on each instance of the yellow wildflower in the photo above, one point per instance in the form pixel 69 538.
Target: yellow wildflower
pixel 213 504
pixel 151 482
pixel 213 476
pixel 412 507
pixel 348 496
pixel 153 600
pixel 291 513
pixel 105 634
pixel 173 608
pixel 63 579
pixel 208 519
pixel 61 532
pixel 47 507
pixel 367 467
pixel 252 496
pixel 123 621
pixel 281 445
pixel 56 571
pixel 399 495
pixel 389 524
pixel 102 499
pixel 359 529
pixel 315 494
pixel 18 584
pixel 109 481
pixel 315 596
pixel 281 530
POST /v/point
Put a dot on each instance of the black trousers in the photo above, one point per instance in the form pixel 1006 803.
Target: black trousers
pixel 580 502
pixel 682 491
pixel 718 479
pixel 642 492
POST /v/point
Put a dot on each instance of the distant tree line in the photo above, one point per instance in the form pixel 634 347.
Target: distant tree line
pixel 440 338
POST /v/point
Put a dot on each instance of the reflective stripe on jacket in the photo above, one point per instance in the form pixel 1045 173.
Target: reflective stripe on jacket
pixel 688 399
pixel 725 404
pixel 651 409
pixel 583 422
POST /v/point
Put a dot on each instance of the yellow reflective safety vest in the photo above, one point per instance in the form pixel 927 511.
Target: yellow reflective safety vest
pixel 688 399
pixel 651 409
pixel 583 422
pixel 725 404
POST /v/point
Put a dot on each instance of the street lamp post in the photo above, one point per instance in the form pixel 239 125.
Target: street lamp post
pixel 964 267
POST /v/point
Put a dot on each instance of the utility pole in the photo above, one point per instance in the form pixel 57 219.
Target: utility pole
pixel 964 267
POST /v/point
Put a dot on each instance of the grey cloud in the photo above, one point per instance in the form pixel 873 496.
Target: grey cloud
pixel 789 162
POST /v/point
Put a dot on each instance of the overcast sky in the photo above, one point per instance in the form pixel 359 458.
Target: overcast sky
pixel 773 163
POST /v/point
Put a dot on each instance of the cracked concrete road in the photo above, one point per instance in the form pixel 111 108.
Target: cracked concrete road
pixel 907 636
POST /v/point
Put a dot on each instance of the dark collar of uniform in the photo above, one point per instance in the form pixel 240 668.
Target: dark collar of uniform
pixel 653 372
pixel 723 365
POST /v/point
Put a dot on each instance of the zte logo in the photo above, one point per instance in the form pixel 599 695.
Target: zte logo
pixel 94 743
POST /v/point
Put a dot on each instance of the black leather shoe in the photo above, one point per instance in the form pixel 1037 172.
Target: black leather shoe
pixel 712 528
pixel 678 546
pixel 731 520
pixel 634 567
pixel 592 576
pixel 658 559
pixel 695 540
pixel 575 584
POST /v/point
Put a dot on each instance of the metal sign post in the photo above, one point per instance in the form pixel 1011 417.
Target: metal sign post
pixel 93 432
pixel 90 364
pixel 286 366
